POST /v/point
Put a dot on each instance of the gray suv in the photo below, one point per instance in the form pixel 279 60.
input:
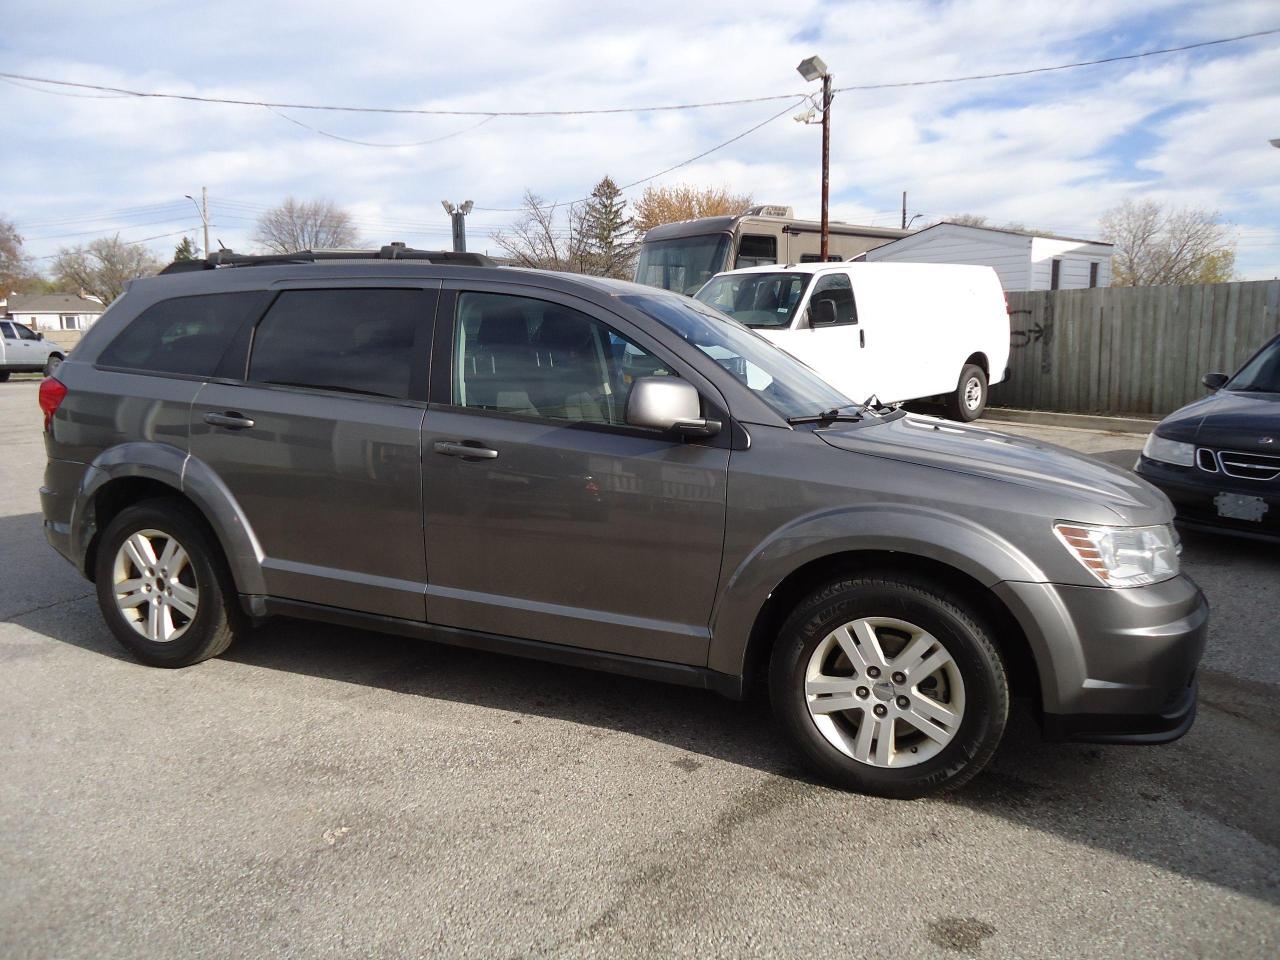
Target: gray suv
pixel 605 475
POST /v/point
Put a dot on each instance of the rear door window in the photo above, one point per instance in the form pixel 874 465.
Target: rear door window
pixel 350 341
pixel 185 335
pixel 7 330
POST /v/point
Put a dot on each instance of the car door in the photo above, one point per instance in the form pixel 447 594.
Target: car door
pixel 547 518
pixel 318 436
pixel 839 351
pixel 38 349
pixel 18 350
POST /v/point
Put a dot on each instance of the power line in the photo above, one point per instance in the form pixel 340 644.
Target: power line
pixel 367 143
pixel 196 98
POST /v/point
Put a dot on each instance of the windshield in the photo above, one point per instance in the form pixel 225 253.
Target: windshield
pixel 1262 373
pixel 682 264
pixel 776 377
pixel 757 299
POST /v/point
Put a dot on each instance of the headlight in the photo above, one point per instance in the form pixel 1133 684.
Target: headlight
pixel 1123 556
pixel 1169 451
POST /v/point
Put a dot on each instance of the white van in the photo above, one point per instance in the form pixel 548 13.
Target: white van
pixel 898 331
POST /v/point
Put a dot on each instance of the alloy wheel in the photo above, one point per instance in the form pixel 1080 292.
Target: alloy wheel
pixel 884 692
pixel 154 585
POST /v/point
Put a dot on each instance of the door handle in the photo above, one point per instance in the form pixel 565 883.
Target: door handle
pixel 232 421
pixel 467 449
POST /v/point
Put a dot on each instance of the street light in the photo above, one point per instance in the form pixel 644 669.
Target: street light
pixel 457 215
pixel 812 69
pixel 202 208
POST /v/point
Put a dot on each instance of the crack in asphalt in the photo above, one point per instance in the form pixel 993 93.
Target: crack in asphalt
pixel 14 617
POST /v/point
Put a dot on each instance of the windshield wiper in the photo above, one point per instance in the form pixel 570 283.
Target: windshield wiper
pixel 830 416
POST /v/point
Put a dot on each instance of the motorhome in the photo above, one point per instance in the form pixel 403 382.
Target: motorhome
pixel 683 256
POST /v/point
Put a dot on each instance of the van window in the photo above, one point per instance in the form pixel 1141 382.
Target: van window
pixel 351 341
pixel 185 335
pixel 836 288
pixel 541 359
pixel 754 250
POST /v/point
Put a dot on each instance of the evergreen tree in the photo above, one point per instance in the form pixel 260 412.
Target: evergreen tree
pixel 609 242
pixel 186 250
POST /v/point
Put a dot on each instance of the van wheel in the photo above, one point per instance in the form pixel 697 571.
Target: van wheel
pixel 52 364
pixel 970 397
pixel 163 586
pixel 889 686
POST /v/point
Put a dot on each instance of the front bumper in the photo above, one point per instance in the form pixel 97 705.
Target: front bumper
pixel 1195 493
pixel 1115 665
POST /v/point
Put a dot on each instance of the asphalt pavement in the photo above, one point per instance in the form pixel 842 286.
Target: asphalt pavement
pixel 322 792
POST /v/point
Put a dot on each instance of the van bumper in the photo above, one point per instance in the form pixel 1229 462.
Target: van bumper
pixel 1115 665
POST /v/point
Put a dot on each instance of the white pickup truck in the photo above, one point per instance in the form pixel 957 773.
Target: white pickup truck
pixel 22 350
pixel 898 331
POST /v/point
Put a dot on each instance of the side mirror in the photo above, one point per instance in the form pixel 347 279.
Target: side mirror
pixel 822 313
pixel 669 404
pixel 39 335
pixel 1215 381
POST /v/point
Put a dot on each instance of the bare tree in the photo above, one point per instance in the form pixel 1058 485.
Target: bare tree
pixel 15 265
pixel 683 201
pixel 968 220
pixel 547 236
pixel 305 225
pixel 1157 245
pixel 103 267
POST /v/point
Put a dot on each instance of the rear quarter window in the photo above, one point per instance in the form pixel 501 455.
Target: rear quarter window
pixel 185 335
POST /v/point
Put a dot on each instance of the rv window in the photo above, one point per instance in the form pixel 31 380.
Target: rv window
pixel 755 250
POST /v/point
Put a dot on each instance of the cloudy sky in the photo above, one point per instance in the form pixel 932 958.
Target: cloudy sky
pixel 1052 151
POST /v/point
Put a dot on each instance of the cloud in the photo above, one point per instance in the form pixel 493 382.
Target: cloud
pixel 1052 150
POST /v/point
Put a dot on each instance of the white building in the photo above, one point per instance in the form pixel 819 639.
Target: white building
pixel 1023 261
pixel 53 311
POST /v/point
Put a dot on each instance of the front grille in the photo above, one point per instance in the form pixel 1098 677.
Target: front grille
pixel 1239 464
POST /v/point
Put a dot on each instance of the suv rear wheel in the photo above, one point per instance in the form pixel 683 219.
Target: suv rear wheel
pixel 889 686
pixel 163 586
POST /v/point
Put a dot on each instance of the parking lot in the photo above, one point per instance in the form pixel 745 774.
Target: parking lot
pixel 325 792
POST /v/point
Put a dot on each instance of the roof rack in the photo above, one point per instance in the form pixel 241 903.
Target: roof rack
pixel 392 251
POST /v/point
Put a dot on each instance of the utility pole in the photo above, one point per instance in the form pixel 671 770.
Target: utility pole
pixel 458 215
pixel 811 69
pixel 904 209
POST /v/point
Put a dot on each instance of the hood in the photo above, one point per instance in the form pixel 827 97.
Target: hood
pixel 1226 419
pixel 980 452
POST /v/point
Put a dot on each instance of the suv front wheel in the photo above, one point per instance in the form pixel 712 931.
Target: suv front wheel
pixel 889 686
pixel 163 586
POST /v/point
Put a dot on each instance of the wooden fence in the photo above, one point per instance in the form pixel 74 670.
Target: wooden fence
pixel 1131 350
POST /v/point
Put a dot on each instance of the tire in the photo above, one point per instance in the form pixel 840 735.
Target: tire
pixel 970 397
pixel 823 711
pixel 52 364
pixel 4 376
pixel 202 615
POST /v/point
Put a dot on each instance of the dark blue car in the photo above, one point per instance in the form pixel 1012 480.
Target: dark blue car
pixel 1218 459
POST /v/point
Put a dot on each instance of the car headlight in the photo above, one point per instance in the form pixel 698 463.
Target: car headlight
pixel 1169 451
pixel 1123 556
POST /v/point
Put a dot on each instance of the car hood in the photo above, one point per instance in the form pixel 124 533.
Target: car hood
pixel 980 452
pixel 1226 419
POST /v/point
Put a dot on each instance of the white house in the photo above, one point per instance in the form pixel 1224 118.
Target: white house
pixel 53 311
pixel 1023 261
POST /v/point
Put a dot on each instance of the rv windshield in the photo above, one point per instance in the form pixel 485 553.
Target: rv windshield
pixel 760 300
pixel 682 264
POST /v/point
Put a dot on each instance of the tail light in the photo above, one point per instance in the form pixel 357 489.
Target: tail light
pixel 52 392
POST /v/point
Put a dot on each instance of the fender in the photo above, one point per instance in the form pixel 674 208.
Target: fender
pixel 187 475
pixel 917 531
